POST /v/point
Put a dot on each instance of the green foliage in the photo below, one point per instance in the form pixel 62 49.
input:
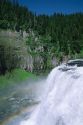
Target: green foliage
pixel 49 36
pixel 4 24
pixel 20 75
pixel 16 76
pixel 14 16
pixel 80 55
pixel 65 30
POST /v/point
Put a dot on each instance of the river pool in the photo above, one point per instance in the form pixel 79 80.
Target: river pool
pixel 18 102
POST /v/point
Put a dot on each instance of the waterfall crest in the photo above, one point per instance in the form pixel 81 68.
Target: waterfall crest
pixel 63 100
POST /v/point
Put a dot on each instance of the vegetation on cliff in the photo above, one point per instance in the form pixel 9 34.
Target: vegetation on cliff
pixel 48 37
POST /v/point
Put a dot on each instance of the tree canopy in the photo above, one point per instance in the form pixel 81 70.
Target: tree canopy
pixel 59 34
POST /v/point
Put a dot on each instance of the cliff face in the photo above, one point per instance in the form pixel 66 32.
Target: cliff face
pixel 13 50
pixel 40 56
pixel 27 51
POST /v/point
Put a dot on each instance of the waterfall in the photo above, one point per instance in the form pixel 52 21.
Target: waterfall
pixel 63 100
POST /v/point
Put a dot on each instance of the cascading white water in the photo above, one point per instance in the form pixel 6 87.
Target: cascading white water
pixel 63 100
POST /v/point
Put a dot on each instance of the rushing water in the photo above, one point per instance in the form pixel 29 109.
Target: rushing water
pixel 63 100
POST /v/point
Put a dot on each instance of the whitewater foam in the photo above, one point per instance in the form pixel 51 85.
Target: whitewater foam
pixel 63 100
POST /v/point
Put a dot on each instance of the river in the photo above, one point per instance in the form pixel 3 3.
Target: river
pixel 17 102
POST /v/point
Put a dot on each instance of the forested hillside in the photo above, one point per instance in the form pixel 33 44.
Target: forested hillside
pixel 57 36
